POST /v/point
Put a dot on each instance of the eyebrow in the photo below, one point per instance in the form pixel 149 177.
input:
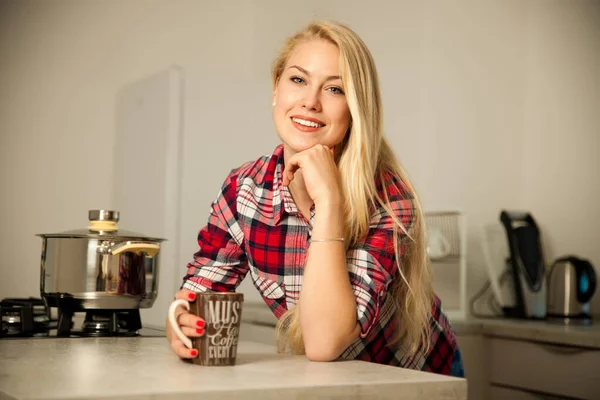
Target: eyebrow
pixel 329 78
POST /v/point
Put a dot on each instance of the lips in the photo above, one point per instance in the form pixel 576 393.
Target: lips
pixel 305 123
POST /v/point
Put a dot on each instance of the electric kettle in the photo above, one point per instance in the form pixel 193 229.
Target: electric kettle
pixel 571 285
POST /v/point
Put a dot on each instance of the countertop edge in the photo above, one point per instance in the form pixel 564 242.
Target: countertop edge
pixel 410 391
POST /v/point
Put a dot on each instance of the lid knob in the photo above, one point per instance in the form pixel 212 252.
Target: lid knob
pixel 103 215
pixel 103 220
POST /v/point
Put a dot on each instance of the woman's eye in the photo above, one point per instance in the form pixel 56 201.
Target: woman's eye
pixel 336 90
pixel 297 79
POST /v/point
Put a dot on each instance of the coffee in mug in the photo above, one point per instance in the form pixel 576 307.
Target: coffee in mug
pixel 222 313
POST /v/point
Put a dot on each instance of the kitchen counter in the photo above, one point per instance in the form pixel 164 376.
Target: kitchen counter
pixel 145 368
pixel 537 331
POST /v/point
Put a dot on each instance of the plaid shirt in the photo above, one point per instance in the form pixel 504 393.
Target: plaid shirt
pixel 255 227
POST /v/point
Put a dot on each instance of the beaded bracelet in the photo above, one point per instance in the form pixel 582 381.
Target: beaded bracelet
pixel 339 239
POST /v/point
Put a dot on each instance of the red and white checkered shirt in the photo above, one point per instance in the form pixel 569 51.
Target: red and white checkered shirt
pixel 255 227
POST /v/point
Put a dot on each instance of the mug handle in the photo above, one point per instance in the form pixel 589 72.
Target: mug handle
pixel 175 326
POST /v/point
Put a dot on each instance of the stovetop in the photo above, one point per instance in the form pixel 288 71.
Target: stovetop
pixel 57 317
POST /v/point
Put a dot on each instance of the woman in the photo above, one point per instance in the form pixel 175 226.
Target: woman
pixel 328 226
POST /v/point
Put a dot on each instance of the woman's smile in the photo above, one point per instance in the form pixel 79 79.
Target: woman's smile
pixel 306 124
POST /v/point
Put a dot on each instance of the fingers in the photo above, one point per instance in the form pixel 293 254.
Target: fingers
pixel 184 317
pixel 187 320
pixel 300 160
pixel 185 294
pixel 288 174
pixel 182 351
pixel 191 326
pixel 192 332
pixel 291 167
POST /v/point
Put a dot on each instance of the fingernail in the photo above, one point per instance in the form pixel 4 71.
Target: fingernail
pixel 200 323
pixel 194 353
pixel 200 331
pixel 192 296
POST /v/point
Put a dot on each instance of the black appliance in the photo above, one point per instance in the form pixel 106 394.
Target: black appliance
pixel 526 263
pixel 32 317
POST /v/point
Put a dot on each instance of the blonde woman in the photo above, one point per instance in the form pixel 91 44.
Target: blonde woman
pixel 328 226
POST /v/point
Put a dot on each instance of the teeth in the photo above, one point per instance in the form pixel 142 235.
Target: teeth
pixel 306 123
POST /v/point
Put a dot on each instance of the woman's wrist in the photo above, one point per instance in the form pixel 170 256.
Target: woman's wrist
pixel 329 204
pixel 329 221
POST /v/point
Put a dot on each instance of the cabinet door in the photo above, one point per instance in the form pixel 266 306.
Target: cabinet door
pixel 558 370
pixel 474 350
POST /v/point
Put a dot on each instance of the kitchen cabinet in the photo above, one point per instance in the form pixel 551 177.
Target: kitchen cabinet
pixel 499 368
pixel 525 359
pixel 474 349
pixel 545 368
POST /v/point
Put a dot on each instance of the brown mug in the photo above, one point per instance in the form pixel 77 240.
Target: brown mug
pixel 222 313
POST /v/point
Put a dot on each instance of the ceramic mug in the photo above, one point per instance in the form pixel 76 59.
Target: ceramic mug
pixel 438 245
pixel 222 314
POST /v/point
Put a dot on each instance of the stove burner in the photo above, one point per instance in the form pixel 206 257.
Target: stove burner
pixel 31 318
pixel 109 323
pixel 23 317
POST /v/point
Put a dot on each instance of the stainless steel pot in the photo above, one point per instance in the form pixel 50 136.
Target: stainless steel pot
pixel 101 267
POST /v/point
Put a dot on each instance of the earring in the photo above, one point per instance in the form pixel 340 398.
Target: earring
pixel 274 103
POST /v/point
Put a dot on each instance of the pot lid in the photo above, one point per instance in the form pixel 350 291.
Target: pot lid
pixel 103 225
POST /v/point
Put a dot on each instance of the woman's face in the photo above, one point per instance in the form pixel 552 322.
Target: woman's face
pixel 310 104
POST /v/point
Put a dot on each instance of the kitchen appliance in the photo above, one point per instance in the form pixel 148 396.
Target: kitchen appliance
pixel 99 268
pixel 526 265
pixel 571 285
pixel 32 317
pixel 23 317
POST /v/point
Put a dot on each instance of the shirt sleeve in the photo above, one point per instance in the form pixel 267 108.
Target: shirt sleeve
pixel 372 262
pixel 220 263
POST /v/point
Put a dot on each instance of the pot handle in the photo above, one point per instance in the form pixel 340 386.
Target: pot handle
pixel 151 249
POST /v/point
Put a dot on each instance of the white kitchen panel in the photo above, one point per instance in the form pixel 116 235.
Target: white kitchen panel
pixel 147 172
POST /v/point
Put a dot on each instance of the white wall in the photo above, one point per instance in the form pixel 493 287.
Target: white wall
pixel 489 105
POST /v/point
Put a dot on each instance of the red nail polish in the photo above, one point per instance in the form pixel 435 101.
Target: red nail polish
pixel 200 323
pixel 200 331
pixel 194 353
pixel 192 296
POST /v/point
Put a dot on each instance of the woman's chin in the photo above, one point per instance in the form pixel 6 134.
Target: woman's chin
pixel 297 146
pixel 299 149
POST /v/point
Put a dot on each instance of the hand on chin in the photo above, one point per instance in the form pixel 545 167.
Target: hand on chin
pixel 319 171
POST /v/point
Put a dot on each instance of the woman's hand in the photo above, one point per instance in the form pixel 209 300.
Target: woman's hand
pixel 320 174
pixel 191 326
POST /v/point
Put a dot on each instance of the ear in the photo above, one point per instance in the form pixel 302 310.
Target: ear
pixel 275 93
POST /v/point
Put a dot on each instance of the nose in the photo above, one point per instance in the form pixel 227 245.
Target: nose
pixel 311 100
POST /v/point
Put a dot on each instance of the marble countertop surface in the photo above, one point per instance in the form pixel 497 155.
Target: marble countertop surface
pixel 548 331
pixel 145 368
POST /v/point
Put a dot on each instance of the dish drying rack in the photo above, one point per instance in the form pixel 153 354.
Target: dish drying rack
pixel 450 271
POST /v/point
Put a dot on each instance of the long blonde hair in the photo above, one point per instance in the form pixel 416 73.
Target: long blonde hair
pixel 364 158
